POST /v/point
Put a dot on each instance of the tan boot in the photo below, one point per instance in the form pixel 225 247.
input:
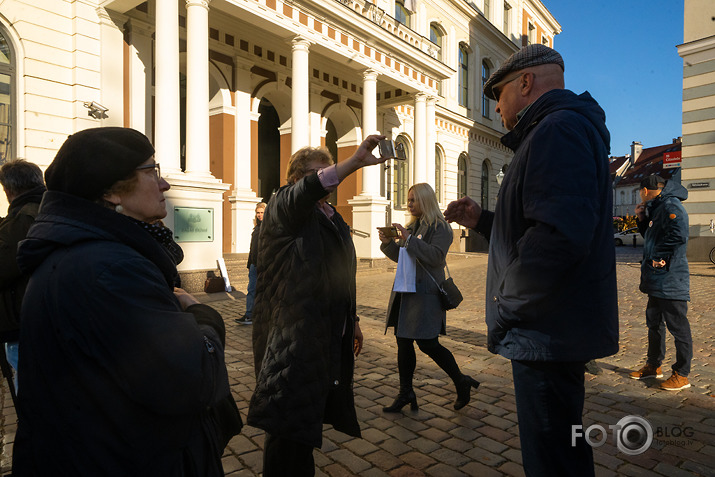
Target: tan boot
pixel 647 371
pixel 675 382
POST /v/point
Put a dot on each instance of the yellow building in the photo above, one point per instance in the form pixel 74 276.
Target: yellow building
pixel 227 90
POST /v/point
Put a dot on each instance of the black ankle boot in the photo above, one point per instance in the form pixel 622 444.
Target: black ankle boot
pixel 464 389
pixel 405 397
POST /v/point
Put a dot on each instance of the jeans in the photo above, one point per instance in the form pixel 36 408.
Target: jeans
pixel 660 313
pixel 251 292
pixel 11 352
pixel 549 402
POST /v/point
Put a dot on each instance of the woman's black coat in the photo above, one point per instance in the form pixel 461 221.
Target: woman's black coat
pixel 303 318
pixel 115 379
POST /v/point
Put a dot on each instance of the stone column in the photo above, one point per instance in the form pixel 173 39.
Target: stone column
pixel 430 138
pixel 420 128
pixel 244 199
pixel 370 174
pixel 369 209
pixel 167 117
pixel 197 88
pixel 300 95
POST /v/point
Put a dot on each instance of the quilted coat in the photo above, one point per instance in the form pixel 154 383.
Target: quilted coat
pixel 551 278
pixel 303 318
pixel 420 315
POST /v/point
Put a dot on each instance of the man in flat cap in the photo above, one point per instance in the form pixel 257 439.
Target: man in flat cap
pixel 551 281
pixel 665 277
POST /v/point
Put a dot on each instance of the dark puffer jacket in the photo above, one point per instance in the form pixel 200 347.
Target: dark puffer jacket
pixel 551 282
pixel 115 378
pixel 665 231
pixel 303 319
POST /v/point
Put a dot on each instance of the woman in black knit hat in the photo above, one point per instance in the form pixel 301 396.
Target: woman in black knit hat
pixel 123 373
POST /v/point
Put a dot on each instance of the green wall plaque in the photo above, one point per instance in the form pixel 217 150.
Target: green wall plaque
pixel 193 225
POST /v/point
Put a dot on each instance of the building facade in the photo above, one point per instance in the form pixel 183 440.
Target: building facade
pixel 698 53
pixel 227 90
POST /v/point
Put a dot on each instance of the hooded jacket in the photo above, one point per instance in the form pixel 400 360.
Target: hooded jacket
pixel 551 281
pixel 303 319
pixel 116 379
pixel 665 231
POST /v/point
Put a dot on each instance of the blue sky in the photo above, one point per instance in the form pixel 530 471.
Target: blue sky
pixel 624 53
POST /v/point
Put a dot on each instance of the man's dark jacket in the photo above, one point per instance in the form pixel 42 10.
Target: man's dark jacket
pixel 665 231
pixel 13 228
pixel 115 378
pixel 303 319
pixel 551 282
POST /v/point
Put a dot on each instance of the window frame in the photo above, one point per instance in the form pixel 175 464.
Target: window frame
pixel 10 69
pixel 463 75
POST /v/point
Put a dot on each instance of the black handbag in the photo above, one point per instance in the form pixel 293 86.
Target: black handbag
pixel 449 294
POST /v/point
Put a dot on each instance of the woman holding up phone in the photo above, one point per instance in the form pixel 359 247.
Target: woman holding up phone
pixel 419 316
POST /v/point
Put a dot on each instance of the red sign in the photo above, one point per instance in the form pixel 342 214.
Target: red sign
pixel 671 159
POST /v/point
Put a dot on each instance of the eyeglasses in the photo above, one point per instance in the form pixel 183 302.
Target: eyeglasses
pixel 155 166
pixel 498 89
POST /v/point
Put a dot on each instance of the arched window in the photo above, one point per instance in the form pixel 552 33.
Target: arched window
pixel 402 175
pixel 486 72
pixel 462 176
pixel 634 196
pixel 438 174
pixel 485 185
pixel 463 75
pixel 402 15
pixel 435 36
pixel 623 197
pixel 7 99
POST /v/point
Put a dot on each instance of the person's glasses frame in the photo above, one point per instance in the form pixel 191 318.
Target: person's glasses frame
pixel 497 89
pixel 155 166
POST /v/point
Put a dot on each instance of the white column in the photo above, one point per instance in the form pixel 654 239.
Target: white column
pixel 140 58
pixel 300 95
pixel 430 137
pixel 112 71
pixel 197 88
pixel 370 174
pixel 167 117
pixel 420 162
pixel 243 200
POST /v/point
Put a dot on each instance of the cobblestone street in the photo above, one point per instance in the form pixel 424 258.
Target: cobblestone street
pixel 482 439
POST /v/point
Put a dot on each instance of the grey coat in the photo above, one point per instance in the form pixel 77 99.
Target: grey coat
pixel 420 315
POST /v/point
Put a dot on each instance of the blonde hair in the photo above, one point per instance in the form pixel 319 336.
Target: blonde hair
pixel 427 201
pixel 260 205
pixel 298 163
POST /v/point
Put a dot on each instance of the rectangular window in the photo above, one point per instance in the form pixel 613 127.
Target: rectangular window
pixel 463 77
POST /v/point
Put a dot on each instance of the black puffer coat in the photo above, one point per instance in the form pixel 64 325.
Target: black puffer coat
pixel 303 318
pixel 115 378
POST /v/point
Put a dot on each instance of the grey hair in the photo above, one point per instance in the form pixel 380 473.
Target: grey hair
pixel 20 176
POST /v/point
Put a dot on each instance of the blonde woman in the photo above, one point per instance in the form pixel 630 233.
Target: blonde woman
pixel 419 316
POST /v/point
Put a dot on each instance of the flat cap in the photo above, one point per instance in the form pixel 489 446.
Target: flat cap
pixel 653 182
pixel 91 161
pixel 530 55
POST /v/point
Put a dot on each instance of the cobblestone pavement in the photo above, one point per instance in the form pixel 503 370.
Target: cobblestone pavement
pixel 482 439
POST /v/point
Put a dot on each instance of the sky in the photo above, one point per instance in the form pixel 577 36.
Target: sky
pixel 624 53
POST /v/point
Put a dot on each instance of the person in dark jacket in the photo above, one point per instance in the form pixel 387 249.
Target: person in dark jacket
pixel 418 315
pixel 247 319
pixel 23 185
pixel 120 373
pixel 551 279
pixel 305 328
pixel 665 278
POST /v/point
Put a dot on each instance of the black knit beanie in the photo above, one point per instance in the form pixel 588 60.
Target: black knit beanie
pixel 91 161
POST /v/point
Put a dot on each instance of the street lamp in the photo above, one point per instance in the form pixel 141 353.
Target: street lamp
pixel 502 173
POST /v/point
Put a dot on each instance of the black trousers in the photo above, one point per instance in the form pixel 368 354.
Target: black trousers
pixel 660 313
pixel 407 360
pixel 283 457
pixel 549 401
